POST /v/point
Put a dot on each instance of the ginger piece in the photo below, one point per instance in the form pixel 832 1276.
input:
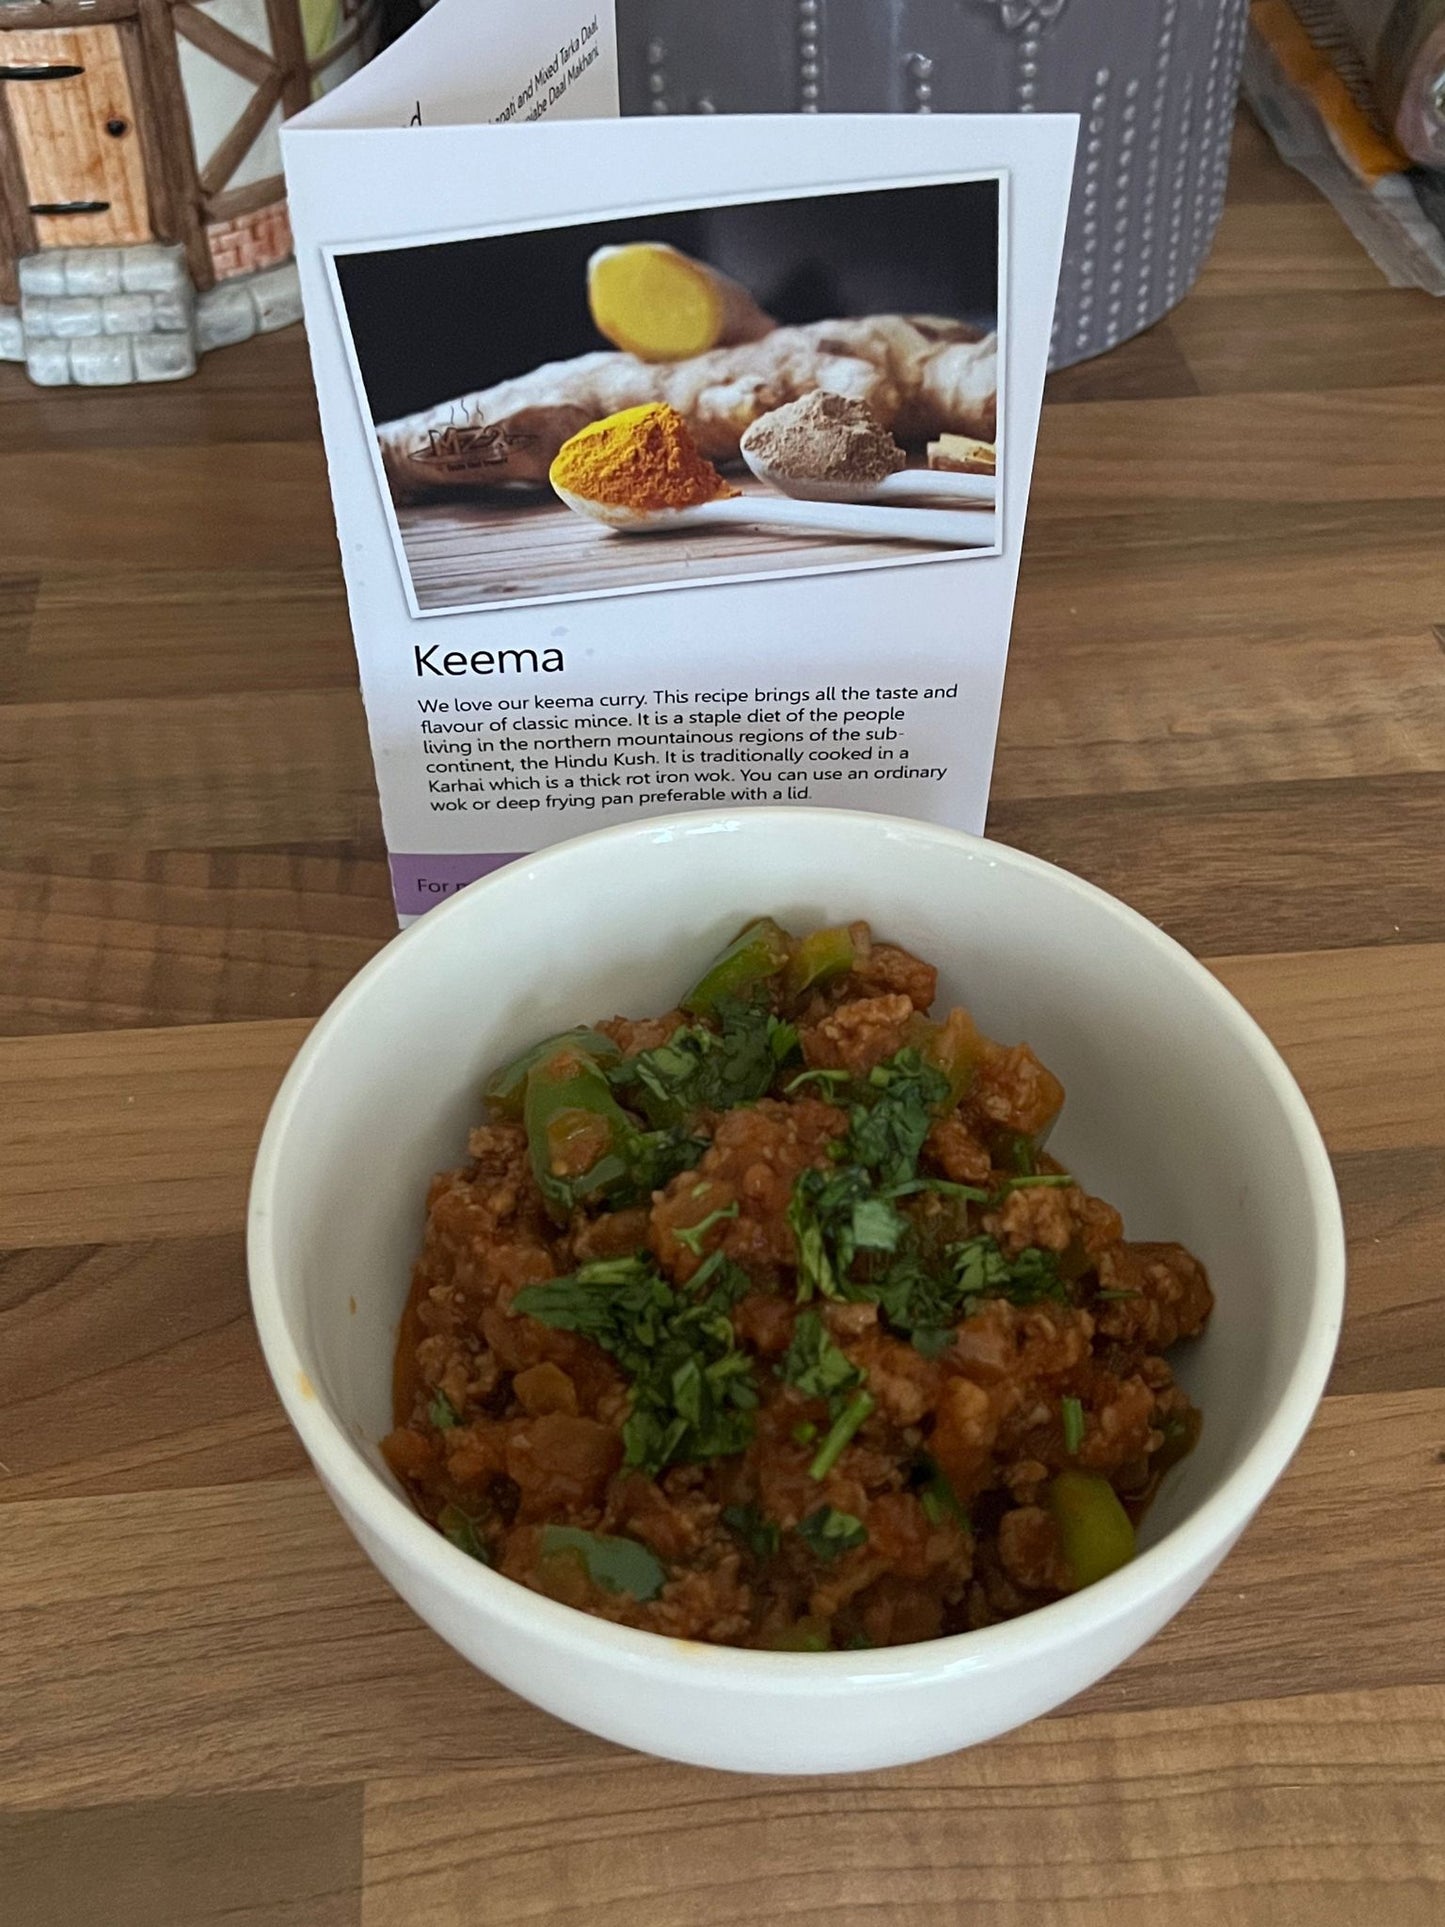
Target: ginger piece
pixel 659 304
pixel 963 455
pixel 919 375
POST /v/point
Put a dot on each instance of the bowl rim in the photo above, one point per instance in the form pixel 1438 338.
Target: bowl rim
pixel 1187 1549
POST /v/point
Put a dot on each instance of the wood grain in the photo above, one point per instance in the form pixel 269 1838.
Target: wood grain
pixel 1394 1203
pixel 1226 703
pixel 1291 1811
pixel 168 1121
pixel 257 392
pixel 1298 244
pixel 185 936
pixel 1259 344
pixel 175 143
pixel 240 56
pixel 205 506
pixel 208 770
pixel 61 135
pixel 102 1348
pixel 1264 867
pixel 463 553
pixel 1145 455
pixel 245 1860
pixel 195 1632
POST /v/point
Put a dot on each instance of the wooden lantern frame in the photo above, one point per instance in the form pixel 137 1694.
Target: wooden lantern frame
pixel 185 198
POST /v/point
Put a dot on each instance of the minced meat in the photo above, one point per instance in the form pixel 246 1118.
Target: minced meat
pixel 771 1322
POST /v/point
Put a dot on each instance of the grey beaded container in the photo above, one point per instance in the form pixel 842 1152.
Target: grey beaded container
pixel 1153 80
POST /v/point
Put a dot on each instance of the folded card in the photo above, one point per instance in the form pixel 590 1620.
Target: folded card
pixel 678 463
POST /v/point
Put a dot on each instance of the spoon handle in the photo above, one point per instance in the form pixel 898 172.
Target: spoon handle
pixel 935 485
pixel 862 521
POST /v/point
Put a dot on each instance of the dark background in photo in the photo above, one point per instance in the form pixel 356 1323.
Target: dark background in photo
pixel 433 322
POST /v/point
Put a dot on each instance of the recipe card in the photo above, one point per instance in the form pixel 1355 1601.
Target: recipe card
pixel 678 462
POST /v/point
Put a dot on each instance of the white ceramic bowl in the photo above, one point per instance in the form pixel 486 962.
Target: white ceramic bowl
pixel 1179 1111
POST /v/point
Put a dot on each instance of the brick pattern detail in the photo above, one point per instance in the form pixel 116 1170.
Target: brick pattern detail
pixel 250 242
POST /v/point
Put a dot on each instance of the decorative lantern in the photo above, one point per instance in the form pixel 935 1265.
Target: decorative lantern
pixel 142 205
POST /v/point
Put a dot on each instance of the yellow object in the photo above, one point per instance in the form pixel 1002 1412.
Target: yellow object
pixel 643 458
pixel 963 454
pixel 320 23
pixel 1094 1527
pixel 661 305
pixel 1369 157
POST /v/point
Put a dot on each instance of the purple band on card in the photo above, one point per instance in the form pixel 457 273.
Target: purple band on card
pixel 421 882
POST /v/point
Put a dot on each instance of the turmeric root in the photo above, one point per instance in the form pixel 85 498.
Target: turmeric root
pixel 921 375
pixel 659 304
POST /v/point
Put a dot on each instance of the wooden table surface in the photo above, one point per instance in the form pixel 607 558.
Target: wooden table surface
pixel 1226 703
pixel 466 552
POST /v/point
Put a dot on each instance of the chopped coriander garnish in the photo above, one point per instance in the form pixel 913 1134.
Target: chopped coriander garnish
pixel 842 1430
pixel 877 1225
pixel 815 1365
pixel 704 1068
pixel 886 1135
pixel 945 1186
pixel 1111 1297
pixel 461 1529
pixel 924 1299
pixel 1032 1276
pixel 829 1533
pixel 804 1432
pixel 940 1502
pixel 782 1039
pixel 1015 1151
pixel 692 1235
pixel 441 1412
pixel 1073 1416
pixel 836 1214
pixel 693 1390
pixel 826 1078
pixel 759 1534
pixel 1041 1181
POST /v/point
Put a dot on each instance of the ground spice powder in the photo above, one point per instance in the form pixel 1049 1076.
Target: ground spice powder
pixel 822 437
pixel 643 458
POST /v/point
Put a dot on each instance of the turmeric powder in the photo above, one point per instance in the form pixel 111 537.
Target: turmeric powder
pixel 643 458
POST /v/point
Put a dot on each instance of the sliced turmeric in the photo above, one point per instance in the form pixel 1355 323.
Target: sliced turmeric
pixel 660 305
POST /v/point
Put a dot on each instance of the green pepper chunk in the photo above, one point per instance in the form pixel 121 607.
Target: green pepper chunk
pixel 761 952
pixel 461 1528
pixel 806 1636
pixel 955 1047
pixel 578 1135
pixel 615 1564
pixel 1095 1529
pixel 818 959
pixel 505 1088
